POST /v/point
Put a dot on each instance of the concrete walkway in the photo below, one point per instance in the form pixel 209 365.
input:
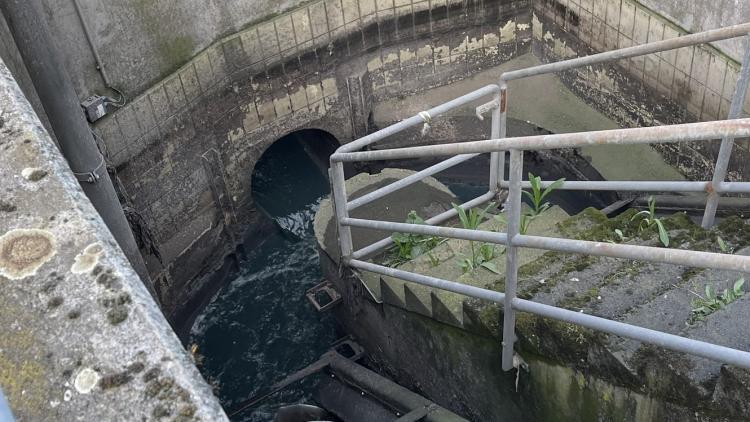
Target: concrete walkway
pixel 546 102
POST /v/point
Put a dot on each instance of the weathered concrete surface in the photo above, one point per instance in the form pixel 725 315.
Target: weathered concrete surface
pixel 702 15
pixel 186 146
pixel 547 102
pixel 141 42
pixel 82 338
pixel 574 373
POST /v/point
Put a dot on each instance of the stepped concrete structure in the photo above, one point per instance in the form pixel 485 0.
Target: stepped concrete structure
pixel 210 87
pixel 428 338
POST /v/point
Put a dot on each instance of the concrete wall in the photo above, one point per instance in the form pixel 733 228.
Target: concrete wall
pixel 186 148
pixel 141 42
pixel 702 15
pixel 82 337
pixel 689 84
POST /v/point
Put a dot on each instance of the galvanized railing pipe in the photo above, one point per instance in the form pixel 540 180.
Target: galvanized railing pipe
pixel 408 180
pixel 511 256
pixel 725 151
pixel 382 244
pixel 497 159
pixel 626 53
pixel 643 186
pixel 668 341
pixel 427 230
pixel 687 258
pixel 643 135
pixel 338 190
pixel 424 280
pixel 417 119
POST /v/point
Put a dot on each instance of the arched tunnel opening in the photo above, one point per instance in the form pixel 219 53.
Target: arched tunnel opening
pixel 259 328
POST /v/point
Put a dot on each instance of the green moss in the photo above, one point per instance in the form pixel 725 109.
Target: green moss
pixel 556 340
pixel 735 230
pixel 175 52
pixel 691 272
pixel 580 302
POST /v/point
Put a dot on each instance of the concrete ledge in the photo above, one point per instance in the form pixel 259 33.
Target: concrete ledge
pixel 82 339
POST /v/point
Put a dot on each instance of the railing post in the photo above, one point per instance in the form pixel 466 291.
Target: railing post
pixel 511 252
pixel 497 159
pixel 725 152
pixel 338 188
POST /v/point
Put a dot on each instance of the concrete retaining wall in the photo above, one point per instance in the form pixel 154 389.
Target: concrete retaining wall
pixel 82 337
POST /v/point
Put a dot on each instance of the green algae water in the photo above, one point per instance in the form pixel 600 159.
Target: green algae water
pixel 260 328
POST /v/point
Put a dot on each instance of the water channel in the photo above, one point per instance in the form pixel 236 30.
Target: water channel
pixel 259 328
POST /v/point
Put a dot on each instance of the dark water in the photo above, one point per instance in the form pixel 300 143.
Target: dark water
pixel 260 328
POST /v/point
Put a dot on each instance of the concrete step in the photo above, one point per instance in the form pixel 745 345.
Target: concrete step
pixel 444 262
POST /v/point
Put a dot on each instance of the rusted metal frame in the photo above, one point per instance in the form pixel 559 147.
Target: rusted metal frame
pixel 645 135
pixel 725 152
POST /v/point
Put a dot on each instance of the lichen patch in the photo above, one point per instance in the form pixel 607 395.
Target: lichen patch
pixel 87 260
pixel 23 251
pixel 86 380
pixel 33 174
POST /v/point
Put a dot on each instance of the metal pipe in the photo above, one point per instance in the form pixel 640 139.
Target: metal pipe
pixel 496 172
pixel 687 258
pixel 665 340
pixel 60 101
pixel 338 187
pixel 417 119
pixel 438 219
pixel 639 50
pixel 668 341
pixel 511 256
pixel 644 135
pixel 89 38
pixel 408 180
pixel 423 229
pixel 643 186
pixel 424 280
pixel 725 152
pixel 637 186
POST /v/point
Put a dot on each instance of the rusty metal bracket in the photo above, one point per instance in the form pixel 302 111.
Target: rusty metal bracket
pixel 325 287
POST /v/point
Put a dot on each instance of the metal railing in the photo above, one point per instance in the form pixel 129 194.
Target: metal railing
pixel 499 144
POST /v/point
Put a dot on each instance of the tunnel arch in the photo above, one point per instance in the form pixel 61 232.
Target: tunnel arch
pixel 292 170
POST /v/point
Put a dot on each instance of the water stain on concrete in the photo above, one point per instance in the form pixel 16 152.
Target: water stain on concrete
pixel 23 251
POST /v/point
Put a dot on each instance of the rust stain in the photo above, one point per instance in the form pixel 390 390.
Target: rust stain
pixel 709 187
pixel 23 251
pixel 503 100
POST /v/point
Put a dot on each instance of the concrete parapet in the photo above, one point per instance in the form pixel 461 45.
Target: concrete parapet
pixel 82 338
